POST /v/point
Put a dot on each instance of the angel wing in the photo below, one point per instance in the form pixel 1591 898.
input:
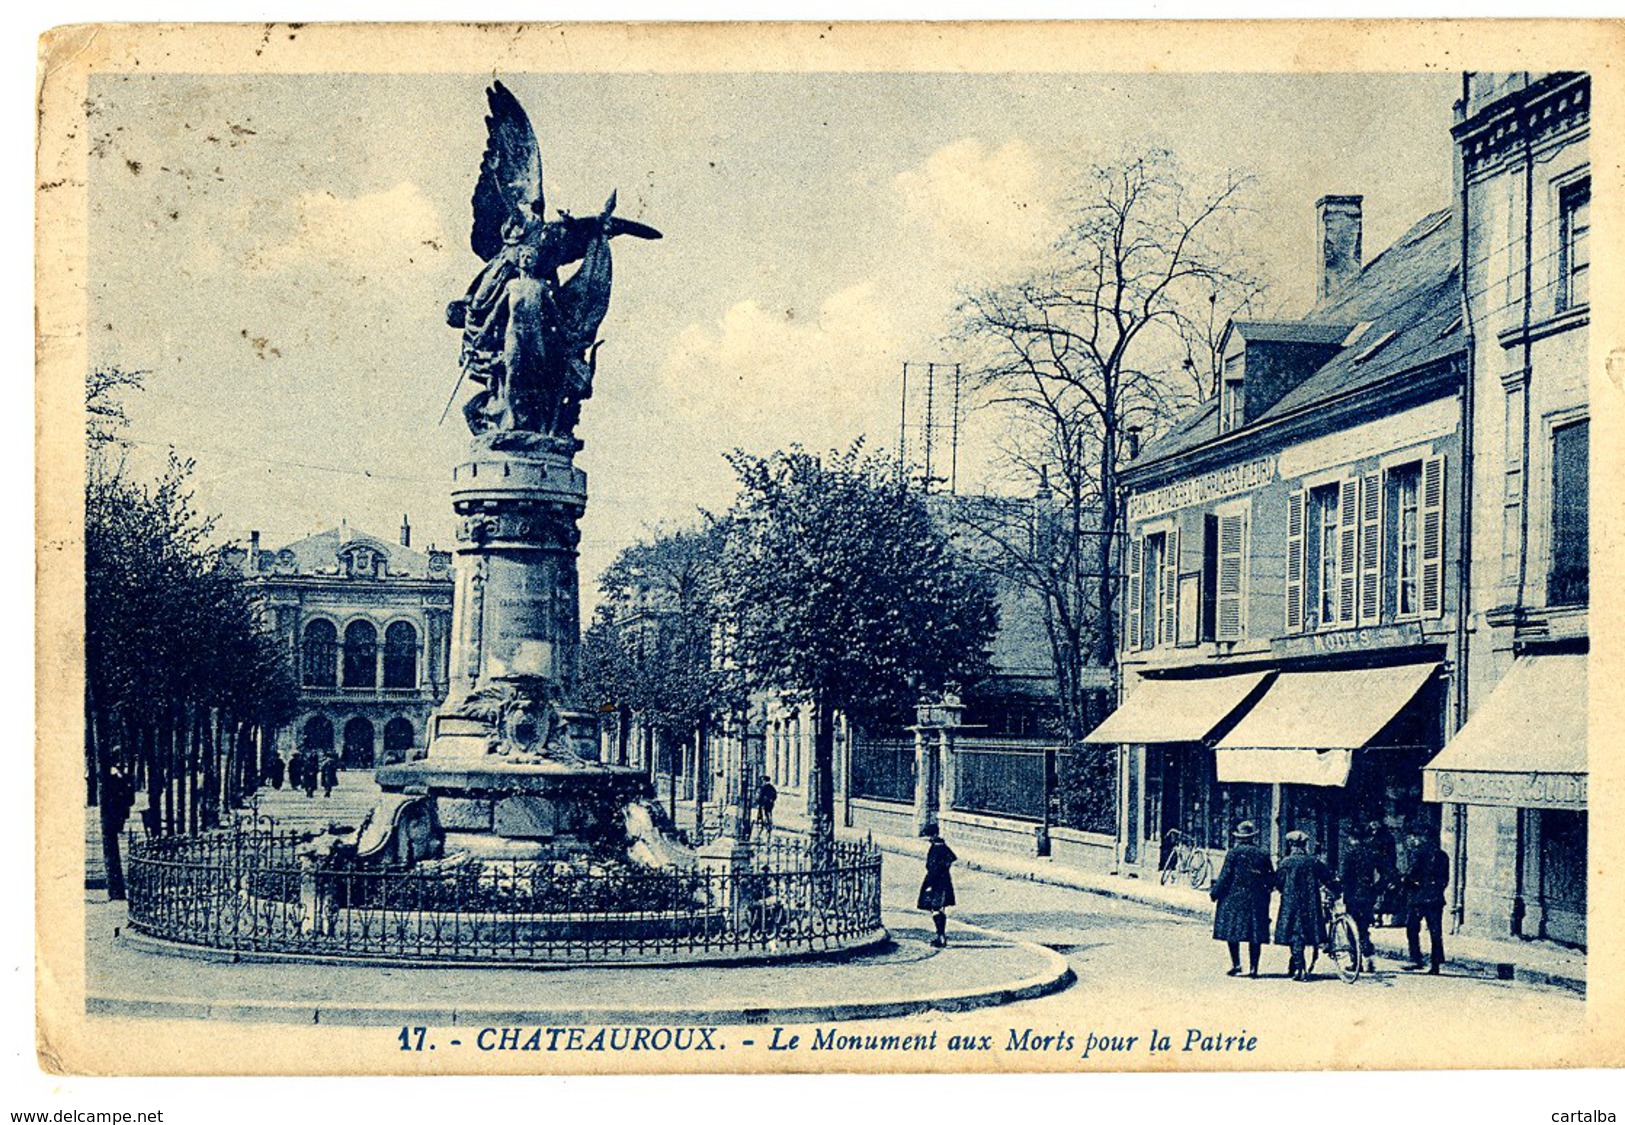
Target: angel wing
pixel 584 298
pixel 510 182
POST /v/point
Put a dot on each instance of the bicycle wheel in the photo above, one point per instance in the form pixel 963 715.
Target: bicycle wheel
pixel 1201 870
pixel 1343 948
pixel 1170 868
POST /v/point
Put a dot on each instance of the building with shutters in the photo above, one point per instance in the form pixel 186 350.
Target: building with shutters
pixel 367 623
pixel 1512 784
pixel 1290 608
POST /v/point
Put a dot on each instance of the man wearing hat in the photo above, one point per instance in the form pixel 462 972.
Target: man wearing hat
pixel 1242 892
pixel 1298 925
pixel 1425 882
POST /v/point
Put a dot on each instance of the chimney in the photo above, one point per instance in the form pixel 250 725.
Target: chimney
pixel 253 550
pixel 1339 224
pixel 406 532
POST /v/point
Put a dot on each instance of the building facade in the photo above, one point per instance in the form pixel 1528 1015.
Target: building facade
pixel 1512 783
pixel 1290 611
pixel 367 624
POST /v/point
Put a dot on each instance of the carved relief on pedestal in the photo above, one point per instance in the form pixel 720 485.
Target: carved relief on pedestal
pixel 532 525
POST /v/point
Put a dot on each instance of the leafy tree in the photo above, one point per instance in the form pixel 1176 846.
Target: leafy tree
pixel 652 647
pixel 840 590
pixel 1110 342
pixel 182 681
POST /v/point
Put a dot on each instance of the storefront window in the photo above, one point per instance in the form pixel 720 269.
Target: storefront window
pixel 1184 792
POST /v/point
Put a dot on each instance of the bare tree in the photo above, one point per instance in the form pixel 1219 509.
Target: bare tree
pixel 1109 343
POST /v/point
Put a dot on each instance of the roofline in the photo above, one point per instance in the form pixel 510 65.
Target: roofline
pixel 1436 375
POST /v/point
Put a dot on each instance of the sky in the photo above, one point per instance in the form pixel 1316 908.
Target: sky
pixel 277 253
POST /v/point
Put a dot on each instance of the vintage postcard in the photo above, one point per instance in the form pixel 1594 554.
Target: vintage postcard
pixel 802 548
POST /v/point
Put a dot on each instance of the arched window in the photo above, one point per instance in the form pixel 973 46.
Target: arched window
pixel 401 656
pixel 361 655
pixel 358 745
pixel 317 737
pixel 398 740
pixel 320 654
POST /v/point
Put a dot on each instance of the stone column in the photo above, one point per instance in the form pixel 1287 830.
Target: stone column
pixel 517 601
pixel 935 734
pixel 927 783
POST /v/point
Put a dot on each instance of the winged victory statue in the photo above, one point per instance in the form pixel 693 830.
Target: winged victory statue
pixel 530 341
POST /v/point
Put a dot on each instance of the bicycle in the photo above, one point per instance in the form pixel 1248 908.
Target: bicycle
pixel 1342 939
pixel 1185 861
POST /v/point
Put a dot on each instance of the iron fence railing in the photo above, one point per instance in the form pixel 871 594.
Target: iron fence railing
pixel 884 769
pixel 255 888
pixel 1000 778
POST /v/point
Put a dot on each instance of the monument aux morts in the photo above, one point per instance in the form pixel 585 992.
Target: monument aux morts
pixel 510 769
pixel 509 842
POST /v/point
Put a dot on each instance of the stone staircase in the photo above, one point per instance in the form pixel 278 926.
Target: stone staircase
pixel 354 795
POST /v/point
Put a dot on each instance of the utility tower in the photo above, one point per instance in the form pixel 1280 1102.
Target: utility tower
pixel 929 413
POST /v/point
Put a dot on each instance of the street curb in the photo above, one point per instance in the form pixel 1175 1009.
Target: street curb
pixel 1128 893
pixel 1055 976
pixel 163 947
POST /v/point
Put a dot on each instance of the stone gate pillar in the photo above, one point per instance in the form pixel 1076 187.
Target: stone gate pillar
pixel 935 731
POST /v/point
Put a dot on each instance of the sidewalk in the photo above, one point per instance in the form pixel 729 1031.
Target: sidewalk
pixel 137 977
pixel 1528 962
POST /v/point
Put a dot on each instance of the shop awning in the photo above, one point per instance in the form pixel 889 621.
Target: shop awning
pixel 1305 728
pixel 1525 746
pixel 1161 710
pixel 1287 767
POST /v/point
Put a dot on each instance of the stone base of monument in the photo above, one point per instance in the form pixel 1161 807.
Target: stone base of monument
pixel 496 809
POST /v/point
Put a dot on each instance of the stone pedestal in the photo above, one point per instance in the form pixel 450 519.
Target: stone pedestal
pixel 729 860
pixel 516 610
pixel 522 782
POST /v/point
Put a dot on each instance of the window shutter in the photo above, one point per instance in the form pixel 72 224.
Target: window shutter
pixel 1370 548
pixel 1136 548
pixel 1170 586
pixel 1294 562
pixel 1231 623
pixel 1432 505
pixel 1348 556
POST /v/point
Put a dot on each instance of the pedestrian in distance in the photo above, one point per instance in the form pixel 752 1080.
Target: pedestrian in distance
pixel 1424 883
pixel 308 781
pixel 766 797
pixel 330 774
pixel 1299 925
pixel 1242 894
pixel 275 770
pixel 1391 897
pixel 937 890
pixel 1363 877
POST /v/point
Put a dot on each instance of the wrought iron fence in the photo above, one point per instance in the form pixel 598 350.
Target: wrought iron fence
pixel 999 777
pixel 884 769
pixel 253 888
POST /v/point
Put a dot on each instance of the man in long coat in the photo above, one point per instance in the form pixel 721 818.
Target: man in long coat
pixel 1425 881
pixel 1242 892
pixel 1298 925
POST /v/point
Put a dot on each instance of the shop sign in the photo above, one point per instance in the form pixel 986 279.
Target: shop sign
pixel 1406 634
pixel 1232 480
pixel 1508 790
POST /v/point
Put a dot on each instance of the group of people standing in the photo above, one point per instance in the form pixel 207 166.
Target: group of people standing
pixel 1249 879
pixel 304 770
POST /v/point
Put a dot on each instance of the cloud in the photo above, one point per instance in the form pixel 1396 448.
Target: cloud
pixel 983 210
pixel 773 376
pixel 361 236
